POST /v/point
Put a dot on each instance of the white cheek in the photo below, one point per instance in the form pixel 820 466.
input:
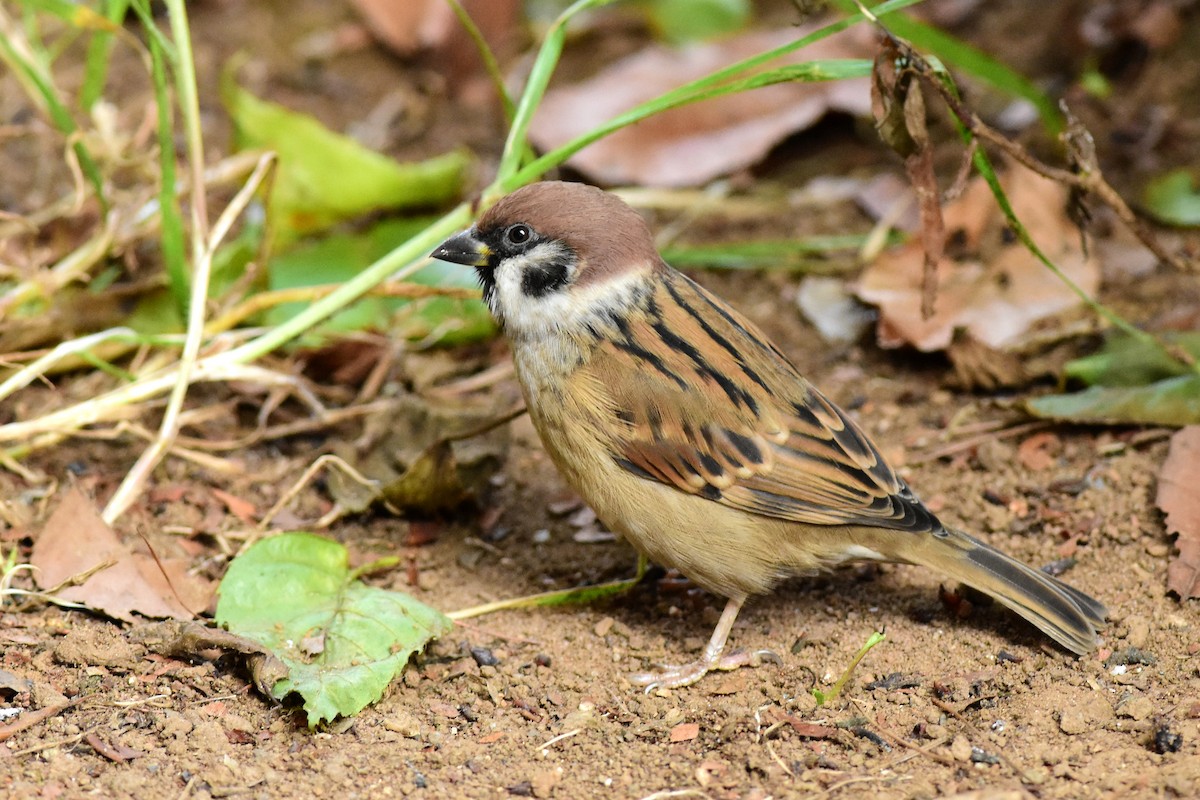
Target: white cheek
pixel 526 315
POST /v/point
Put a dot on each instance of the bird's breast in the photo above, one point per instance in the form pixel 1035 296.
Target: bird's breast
pixel 722 549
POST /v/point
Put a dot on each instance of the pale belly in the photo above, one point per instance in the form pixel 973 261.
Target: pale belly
pixel 725 550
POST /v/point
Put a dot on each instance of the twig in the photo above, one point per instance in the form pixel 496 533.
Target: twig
pixel 151 456
pixel 303 481
pixel 69 269
pixel 974 441
pixel 264 300
pixel 33 718
pixel 561 737
pixel 114 404
pixel 1089 179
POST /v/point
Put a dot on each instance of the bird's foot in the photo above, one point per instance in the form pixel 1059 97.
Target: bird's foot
pixel 673 677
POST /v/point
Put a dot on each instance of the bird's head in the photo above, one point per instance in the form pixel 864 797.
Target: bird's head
pixel 552 254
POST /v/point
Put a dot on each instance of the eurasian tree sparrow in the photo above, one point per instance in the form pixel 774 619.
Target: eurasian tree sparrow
pixel 692 435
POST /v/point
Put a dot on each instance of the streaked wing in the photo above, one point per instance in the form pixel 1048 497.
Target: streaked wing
pixel 774 447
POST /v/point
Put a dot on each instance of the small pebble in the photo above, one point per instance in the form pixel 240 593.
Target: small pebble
pixel 1166 740
pixel 1139 631
pixel 1135 708
pixel 541 536
pixel 484 657
pixel 960 749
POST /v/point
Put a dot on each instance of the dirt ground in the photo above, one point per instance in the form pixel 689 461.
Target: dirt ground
pixel 538 703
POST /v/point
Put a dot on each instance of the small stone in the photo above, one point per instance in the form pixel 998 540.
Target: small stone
pixel 543 782
pixel 484 657
pixel 1072 721
pixel 960 749
pixel 1036 776
pixel 1092 712
pixel 404 724
pixel 1139 631
pixel 604 626
pixel 1135 708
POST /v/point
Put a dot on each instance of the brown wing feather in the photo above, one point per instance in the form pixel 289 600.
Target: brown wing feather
pixel 777 447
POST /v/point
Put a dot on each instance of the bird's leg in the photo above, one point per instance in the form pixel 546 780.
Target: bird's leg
pixel 673 677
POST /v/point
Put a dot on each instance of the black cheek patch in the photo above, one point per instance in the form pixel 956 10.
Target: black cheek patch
pixel 541 279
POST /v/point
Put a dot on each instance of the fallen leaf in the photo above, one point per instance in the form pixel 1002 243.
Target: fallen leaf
pixel 809 730
pixel 288 588
pixel 693 144
pixel 216 708
pixel 242 509
pixel 420 459
pixel 1126 361
pixel 1174 402
pixel 991 286
pixel 685 732
pixel 1179 500
pixel 14 683
pixel 191 640
pixel 324 177
pixel 410 26
pixel 76 540
pixel 1037 451
pixel 1173 199
pixel 444 709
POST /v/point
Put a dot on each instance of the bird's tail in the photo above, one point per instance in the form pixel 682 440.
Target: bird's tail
pixel 1065 614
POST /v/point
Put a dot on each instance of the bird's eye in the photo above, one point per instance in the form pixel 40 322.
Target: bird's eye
pixel 519 234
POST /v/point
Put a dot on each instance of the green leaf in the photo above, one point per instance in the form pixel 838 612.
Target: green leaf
pixel 1174 402
pixel 1126 361
pixel 1173 198
pixel 342 641
pixel 338 258
pixel 324 177
pixel 682 21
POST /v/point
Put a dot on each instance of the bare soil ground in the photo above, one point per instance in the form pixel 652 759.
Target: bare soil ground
pixel 958 699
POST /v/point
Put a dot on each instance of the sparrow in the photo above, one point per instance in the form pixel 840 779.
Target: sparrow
pixel 692 435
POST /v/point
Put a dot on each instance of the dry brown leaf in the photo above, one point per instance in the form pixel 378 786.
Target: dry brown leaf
pixel 977 366
pixel 239 507
pixel 685 732
pixel 411 26
pixel 899 110
pixel 692 145
pixel 1179 500
pixel 76 540
pixel 420 459
pixel 1038 451
pixel 989 284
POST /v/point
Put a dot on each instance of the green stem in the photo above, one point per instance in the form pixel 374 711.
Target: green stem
pixel 535 90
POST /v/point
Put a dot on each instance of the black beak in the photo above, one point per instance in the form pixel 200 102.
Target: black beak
pixel 463 248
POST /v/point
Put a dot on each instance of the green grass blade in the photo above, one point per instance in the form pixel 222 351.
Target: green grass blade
pixel 535 88
pixel 490 64
pixel 822 697
pixel 98 54
pixel 40 86
pixel 174 244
